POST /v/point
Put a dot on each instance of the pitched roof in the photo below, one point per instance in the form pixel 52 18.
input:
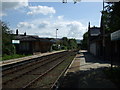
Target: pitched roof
pixel 30 38
pixel 94 31
pixel 26 37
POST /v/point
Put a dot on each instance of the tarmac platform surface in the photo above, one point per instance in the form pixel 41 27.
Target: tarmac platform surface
pixel 86 71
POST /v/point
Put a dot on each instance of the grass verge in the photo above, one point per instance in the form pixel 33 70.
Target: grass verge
pixel 7 57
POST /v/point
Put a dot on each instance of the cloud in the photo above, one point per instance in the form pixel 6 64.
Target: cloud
pixel 43 24
pixel 41 10
pixel 76 29
pixel 60 17
pixel 3 14
pixel 47 28
pixel 46 34
pixel 14 5
pixel 25 25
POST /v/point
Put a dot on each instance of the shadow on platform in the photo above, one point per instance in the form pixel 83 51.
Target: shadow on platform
pixel 88 78
pixel 93 78
pixel 94 59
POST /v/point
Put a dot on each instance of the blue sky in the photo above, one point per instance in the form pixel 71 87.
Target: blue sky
pixel 42 18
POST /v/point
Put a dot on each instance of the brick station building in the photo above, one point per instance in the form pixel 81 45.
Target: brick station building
pixel 111 48
pixel 31 44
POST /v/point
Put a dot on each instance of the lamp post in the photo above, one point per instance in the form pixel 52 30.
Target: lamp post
pixel 103 32
pixel 56 39
pixel 56 33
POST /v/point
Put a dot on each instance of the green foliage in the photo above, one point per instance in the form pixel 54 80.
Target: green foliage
pixel 7 57
pixel 7 47
pixel 72 44
pixel 68 44
pixel 111 17
pixel 64 41
pixel 55 47
pixel 84 41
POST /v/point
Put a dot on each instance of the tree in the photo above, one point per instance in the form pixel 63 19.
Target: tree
pixel 115 17
pixel 111 17
pixel 84 41
pixel 64 43
pixel 72 44
pixel 68 43
pixel 7 47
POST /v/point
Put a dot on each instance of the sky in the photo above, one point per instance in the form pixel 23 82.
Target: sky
pixel 43 18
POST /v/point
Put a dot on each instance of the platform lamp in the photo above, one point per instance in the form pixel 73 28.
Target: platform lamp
pixel 56 33
pixel 103 32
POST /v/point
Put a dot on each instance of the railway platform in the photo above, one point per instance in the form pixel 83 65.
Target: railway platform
pixel 12 61
pixel 86 71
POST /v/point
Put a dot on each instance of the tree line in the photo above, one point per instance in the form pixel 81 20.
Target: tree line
pixel 68 43
pixel 111 17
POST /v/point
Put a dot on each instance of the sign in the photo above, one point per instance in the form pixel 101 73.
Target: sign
pixel 15 41
pixel 94 31
pixel 115 35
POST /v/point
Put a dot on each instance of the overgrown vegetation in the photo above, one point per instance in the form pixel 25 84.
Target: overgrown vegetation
pixel 84 41
pixel 111 17
pixel 8 49
pixel 7 57
pixel 7 46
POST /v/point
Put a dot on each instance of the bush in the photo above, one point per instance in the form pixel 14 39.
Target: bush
pixel 7 36
pixel 7 57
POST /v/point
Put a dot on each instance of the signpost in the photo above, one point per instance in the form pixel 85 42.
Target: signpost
pixel 15 41
pixel 115 35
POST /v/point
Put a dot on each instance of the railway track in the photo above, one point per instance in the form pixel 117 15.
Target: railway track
pixel 22 63
pixel 50 77
pixel 23 66
pixel 26 76
pixel 28 68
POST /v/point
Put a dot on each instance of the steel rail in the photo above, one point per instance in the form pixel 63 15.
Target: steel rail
pixel 14 65
pixel 54 84
pixel 30 71
pixel 40 76
pixel 29 64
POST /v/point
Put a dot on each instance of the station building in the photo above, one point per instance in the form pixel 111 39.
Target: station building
pixel 107 49
pixel 31 44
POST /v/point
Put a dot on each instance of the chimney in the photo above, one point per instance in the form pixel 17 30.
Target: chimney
pixel 89 26
pixel 89 29
pixel 16 31
pixel 25 34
